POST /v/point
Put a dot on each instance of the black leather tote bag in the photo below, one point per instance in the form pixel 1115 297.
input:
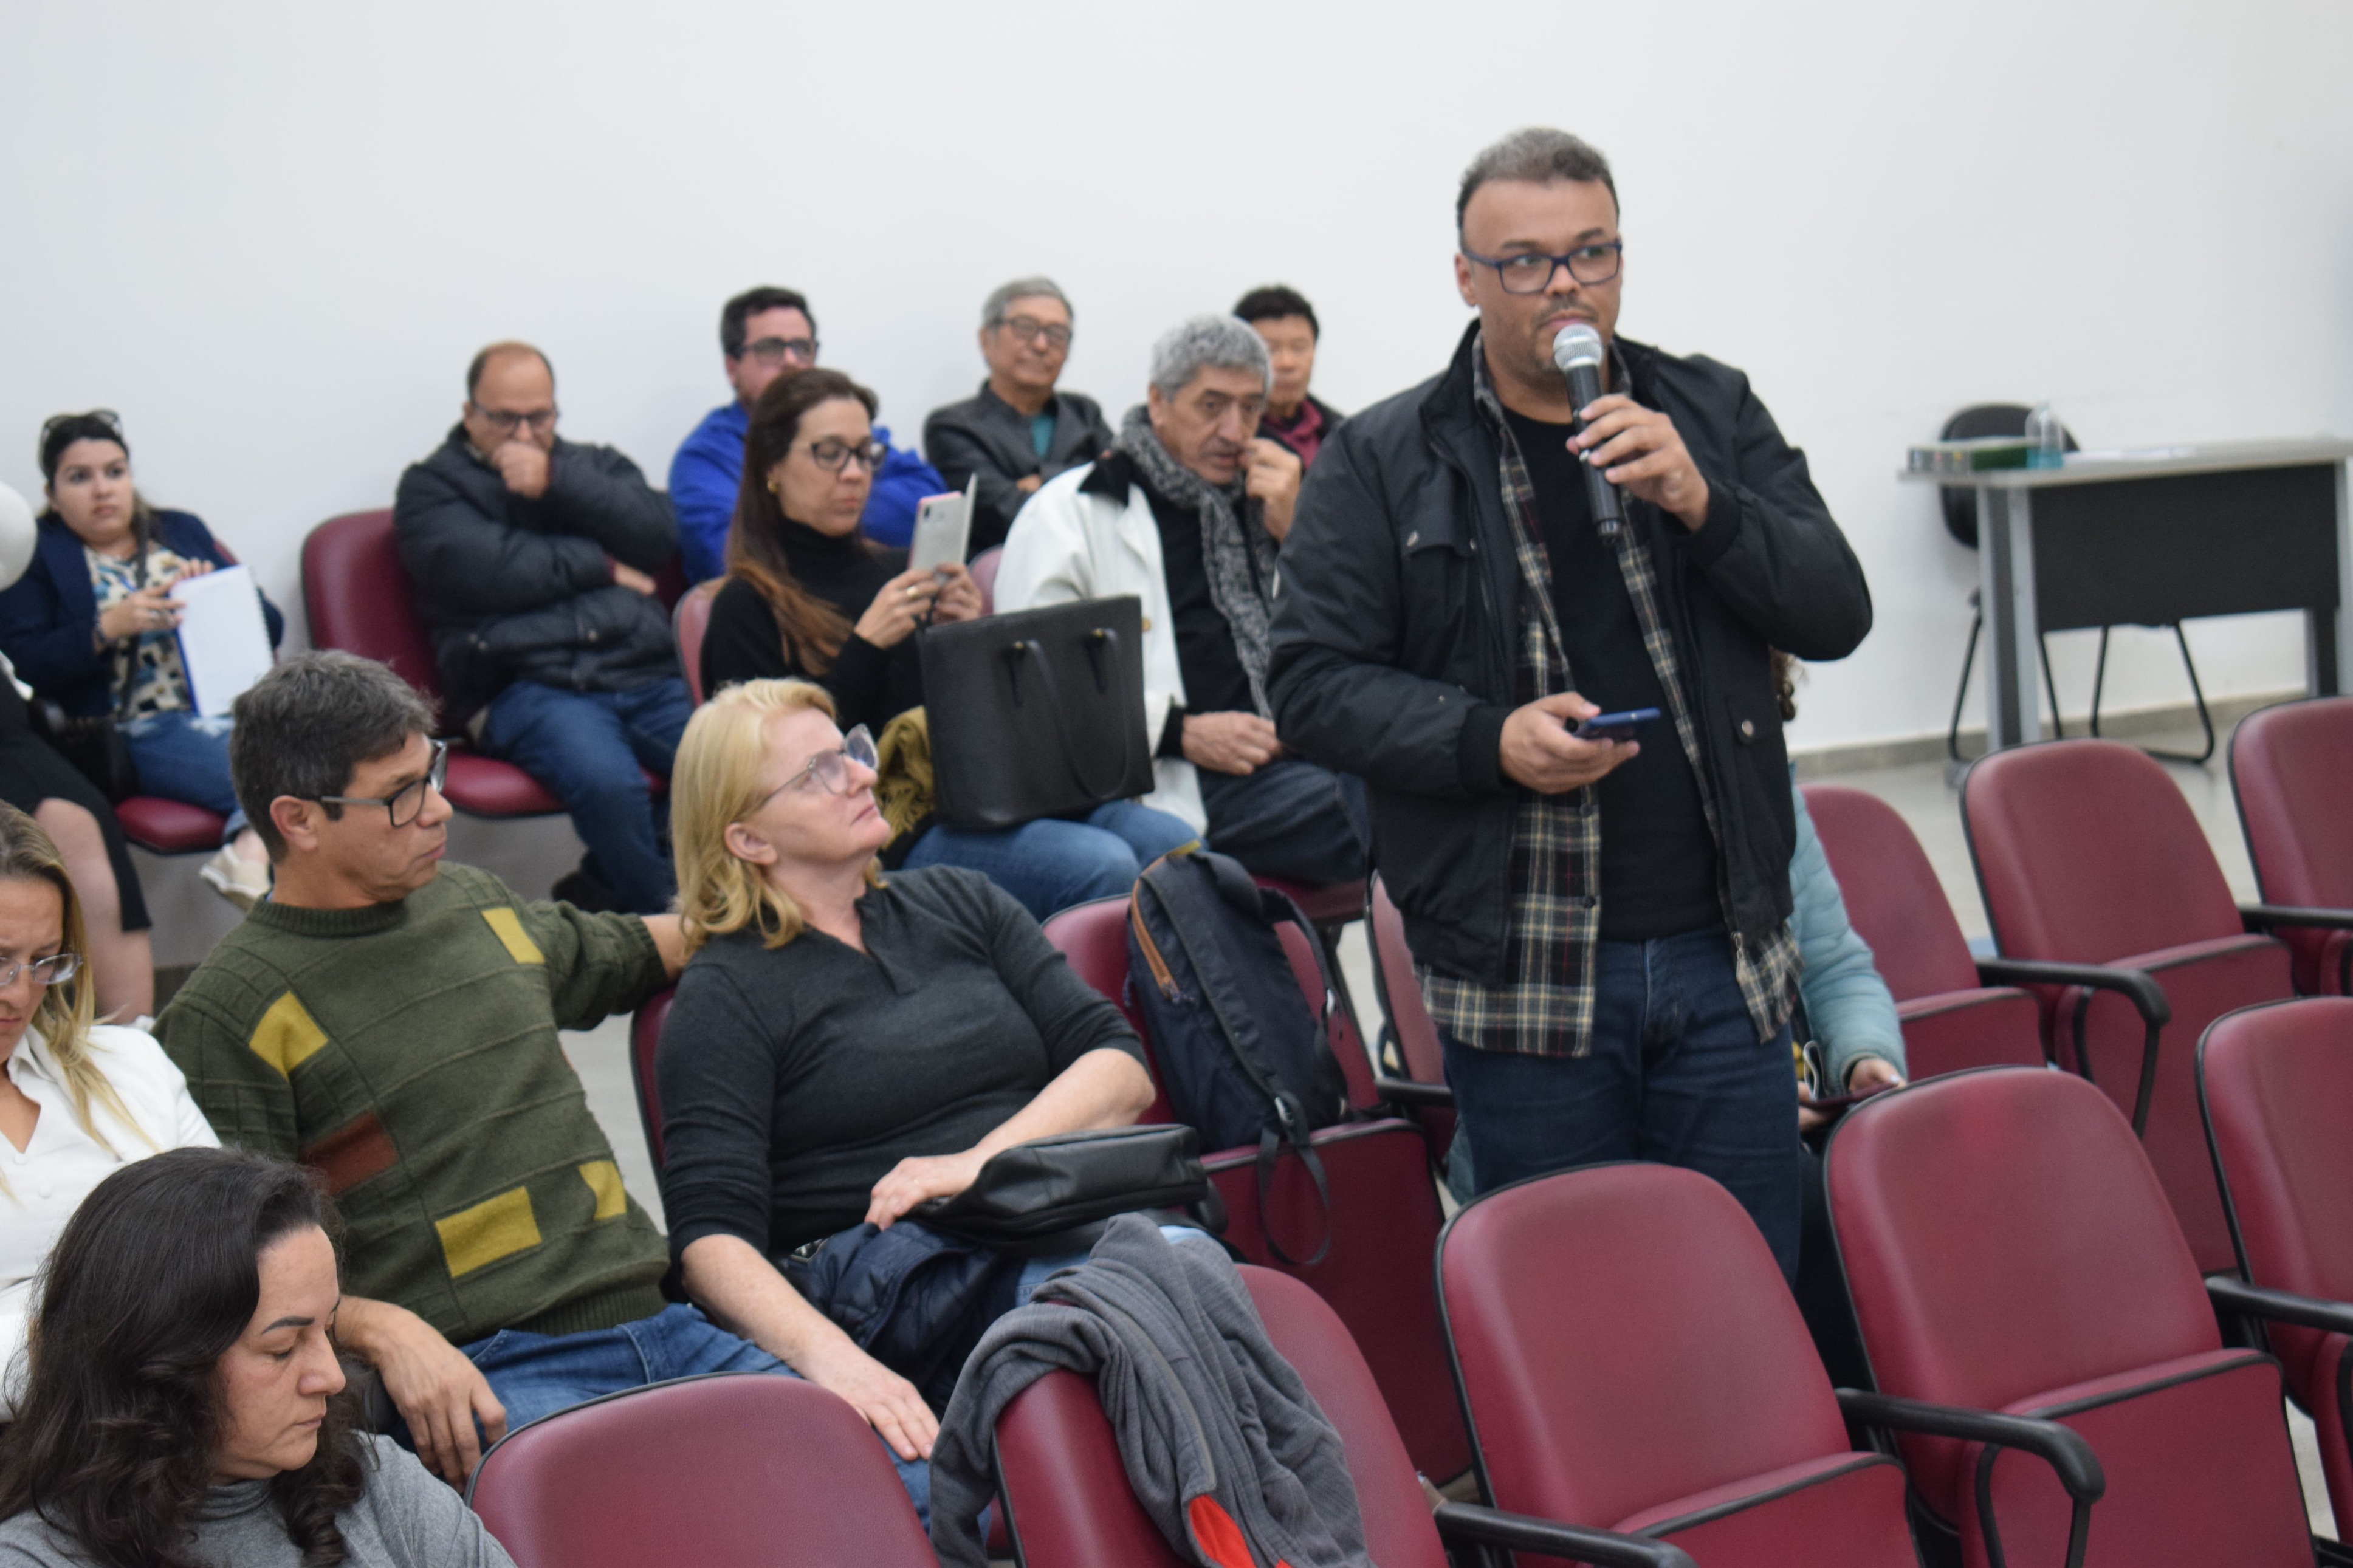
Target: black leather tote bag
pixel 1036 714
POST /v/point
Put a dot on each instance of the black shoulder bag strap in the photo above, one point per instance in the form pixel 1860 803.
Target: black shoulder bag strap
pixel 1103 649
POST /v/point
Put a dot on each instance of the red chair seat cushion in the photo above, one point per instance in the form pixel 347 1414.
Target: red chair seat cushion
pixel 1324 904
pixel 1997 1025
pixel 485 786
pixel 2198 1468
pixel 169 827
pixel 2202 981
pixel 1841 1510
pixel 2327 1402
pixel 1385 1220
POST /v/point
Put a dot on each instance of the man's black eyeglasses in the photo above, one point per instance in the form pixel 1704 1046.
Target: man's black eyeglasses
pixel 507 421
pixel 777 350
pixel 403 803
pixel 1532 273
pixel 1030 329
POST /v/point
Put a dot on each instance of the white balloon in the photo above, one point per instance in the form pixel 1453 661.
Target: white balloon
pixel 17 534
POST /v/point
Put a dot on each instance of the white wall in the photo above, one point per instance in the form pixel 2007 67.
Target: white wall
pixel 270 234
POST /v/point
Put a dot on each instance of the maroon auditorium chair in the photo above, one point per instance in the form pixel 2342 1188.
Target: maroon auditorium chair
pixel 732 1471
pixel 1952 1018
pixel 1631 1361
pixel 359 600
pixel 1381 1221
pixel 2277 1086
pixel 2289 768
pixel 2089 857
pixel 2009 1248
pixel 645 1039
pixel 1412 1059
pixel 688 619
pixel 1069 1504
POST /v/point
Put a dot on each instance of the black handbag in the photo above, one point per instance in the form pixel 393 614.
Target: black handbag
pixel 1036 712
pixel 95 746
pixel 1048 1195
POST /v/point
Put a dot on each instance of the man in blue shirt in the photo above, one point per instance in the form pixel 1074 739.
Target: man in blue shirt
pixel 764 334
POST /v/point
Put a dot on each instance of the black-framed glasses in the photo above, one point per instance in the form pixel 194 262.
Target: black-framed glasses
pixel 506 421
pixel 54 970
pixel 831 768
pixel 1030 329
pixel 1532 273
pixel 403 803
pixel 834 455
pixel 777 350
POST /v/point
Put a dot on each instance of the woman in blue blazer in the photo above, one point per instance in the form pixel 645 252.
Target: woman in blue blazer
pixel 89 627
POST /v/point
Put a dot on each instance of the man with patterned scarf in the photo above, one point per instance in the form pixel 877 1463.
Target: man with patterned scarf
pixel 1187 511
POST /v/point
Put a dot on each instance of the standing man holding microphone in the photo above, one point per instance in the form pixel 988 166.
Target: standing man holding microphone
pixel 1600 923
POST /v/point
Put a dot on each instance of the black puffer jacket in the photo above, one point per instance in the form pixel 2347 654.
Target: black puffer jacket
pixel 1399 602
pixel 513 588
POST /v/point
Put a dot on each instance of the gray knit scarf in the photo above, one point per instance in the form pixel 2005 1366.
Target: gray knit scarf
pixel 1233 536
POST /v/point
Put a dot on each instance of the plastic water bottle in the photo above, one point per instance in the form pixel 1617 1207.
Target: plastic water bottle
pixel 2046 439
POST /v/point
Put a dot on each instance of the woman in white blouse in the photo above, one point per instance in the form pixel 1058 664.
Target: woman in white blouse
pixel 78 1099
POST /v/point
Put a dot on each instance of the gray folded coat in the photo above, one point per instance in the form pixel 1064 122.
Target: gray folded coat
pixel 1201 1404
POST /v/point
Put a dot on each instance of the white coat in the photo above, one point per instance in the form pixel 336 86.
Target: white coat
pixel 1067 545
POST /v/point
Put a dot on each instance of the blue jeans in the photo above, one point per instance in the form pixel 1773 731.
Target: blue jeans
pixel 585 748
pixel 538 1374
pixel 1676 1075
pixel 1051 864
pixel 182 757
pixel 1291 819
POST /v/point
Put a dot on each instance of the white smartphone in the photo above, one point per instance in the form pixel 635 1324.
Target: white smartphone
pixel 943 529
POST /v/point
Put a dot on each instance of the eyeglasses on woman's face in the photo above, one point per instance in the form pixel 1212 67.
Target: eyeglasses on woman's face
pixel 829 770
pixel 54 970
pixel 834 455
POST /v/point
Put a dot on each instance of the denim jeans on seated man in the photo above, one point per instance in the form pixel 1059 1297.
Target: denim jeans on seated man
pixel 1291 819
pixel 1676 1075
pixel 1052 863
pixel 182 757
pixel 585 748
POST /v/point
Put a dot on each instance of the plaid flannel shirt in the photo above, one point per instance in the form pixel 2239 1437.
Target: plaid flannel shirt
pixel 1544 1006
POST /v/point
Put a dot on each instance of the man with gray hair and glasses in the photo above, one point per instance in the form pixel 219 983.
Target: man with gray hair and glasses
pixel 1019 432
pixel 1599 921
pixel 1186 511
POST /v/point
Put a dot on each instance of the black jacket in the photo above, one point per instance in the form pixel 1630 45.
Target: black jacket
pixel 988 436
pixel 513 588
pixel 1399 603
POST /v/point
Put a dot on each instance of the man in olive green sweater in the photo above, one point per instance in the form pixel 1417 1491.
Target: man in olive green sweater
pixel 392 1022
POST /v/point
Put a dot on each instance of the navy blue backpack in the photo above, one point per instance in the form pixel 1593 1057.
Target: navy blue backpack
pixel 1243 1057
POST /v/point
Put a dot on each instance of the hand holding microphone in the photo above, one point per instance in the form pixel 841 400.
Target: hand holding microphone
pixel 1623 443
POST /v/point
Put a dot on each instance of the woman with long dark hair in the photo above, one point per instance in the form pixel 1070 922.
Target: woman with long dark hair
pixel 808 596
pixel 90 627
pixel 185 1406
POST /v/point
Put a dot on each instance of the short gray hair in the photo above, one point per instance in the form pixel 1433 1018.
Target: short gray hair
pixel 1207 343
pixel 303 730
pixel 1538 155
pixel 1000 299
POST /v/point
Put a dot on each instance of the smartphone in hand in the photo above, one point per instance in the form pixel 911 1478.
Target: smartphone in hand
pixel 1623 726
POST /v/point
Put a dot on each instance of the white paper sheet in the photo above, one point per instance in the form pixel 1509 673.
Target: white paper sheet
pixel 223 642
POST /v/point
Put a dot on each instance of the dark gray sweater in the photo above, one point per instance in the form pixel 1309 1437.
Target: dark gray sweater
pixel 793 1079
pixel 405 1519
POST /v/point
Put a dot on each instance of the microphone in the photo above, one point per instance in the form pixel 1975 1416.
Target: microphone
pixel 1577 353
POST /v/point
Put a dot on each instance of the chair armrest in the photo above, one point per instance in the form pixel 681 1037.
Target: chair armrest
pixel 2136 985
pixel 2061 1448
pixel 2265 917
pixel 1470 1522
pixel 1406 1092
pixel 2281 1306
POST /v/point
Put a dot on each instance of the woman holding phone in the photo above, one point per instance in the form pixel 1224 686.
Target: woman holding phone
pixel 808 596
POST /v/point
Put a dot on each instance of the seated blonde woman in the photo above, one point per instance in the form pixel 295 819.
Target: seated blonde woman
pixel 843 1049
pixel 78 1100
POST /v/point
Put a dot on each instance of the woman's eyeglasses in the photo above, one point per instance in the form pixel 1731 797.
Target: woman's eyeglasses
pixel 835 456
pixel 54 970
pixel 830 769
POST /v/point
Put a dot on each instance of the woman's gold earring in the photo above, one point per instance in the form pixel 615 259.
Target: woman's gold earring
pixel 776 490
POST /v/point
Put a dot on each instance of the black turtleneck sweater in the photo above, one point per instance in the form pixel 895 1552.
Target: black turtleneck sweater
pixel 871 686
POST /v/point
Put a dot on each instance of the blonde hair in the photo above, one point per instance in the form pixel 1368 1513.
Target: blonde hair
pixel 67 1010
pixel 719 777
